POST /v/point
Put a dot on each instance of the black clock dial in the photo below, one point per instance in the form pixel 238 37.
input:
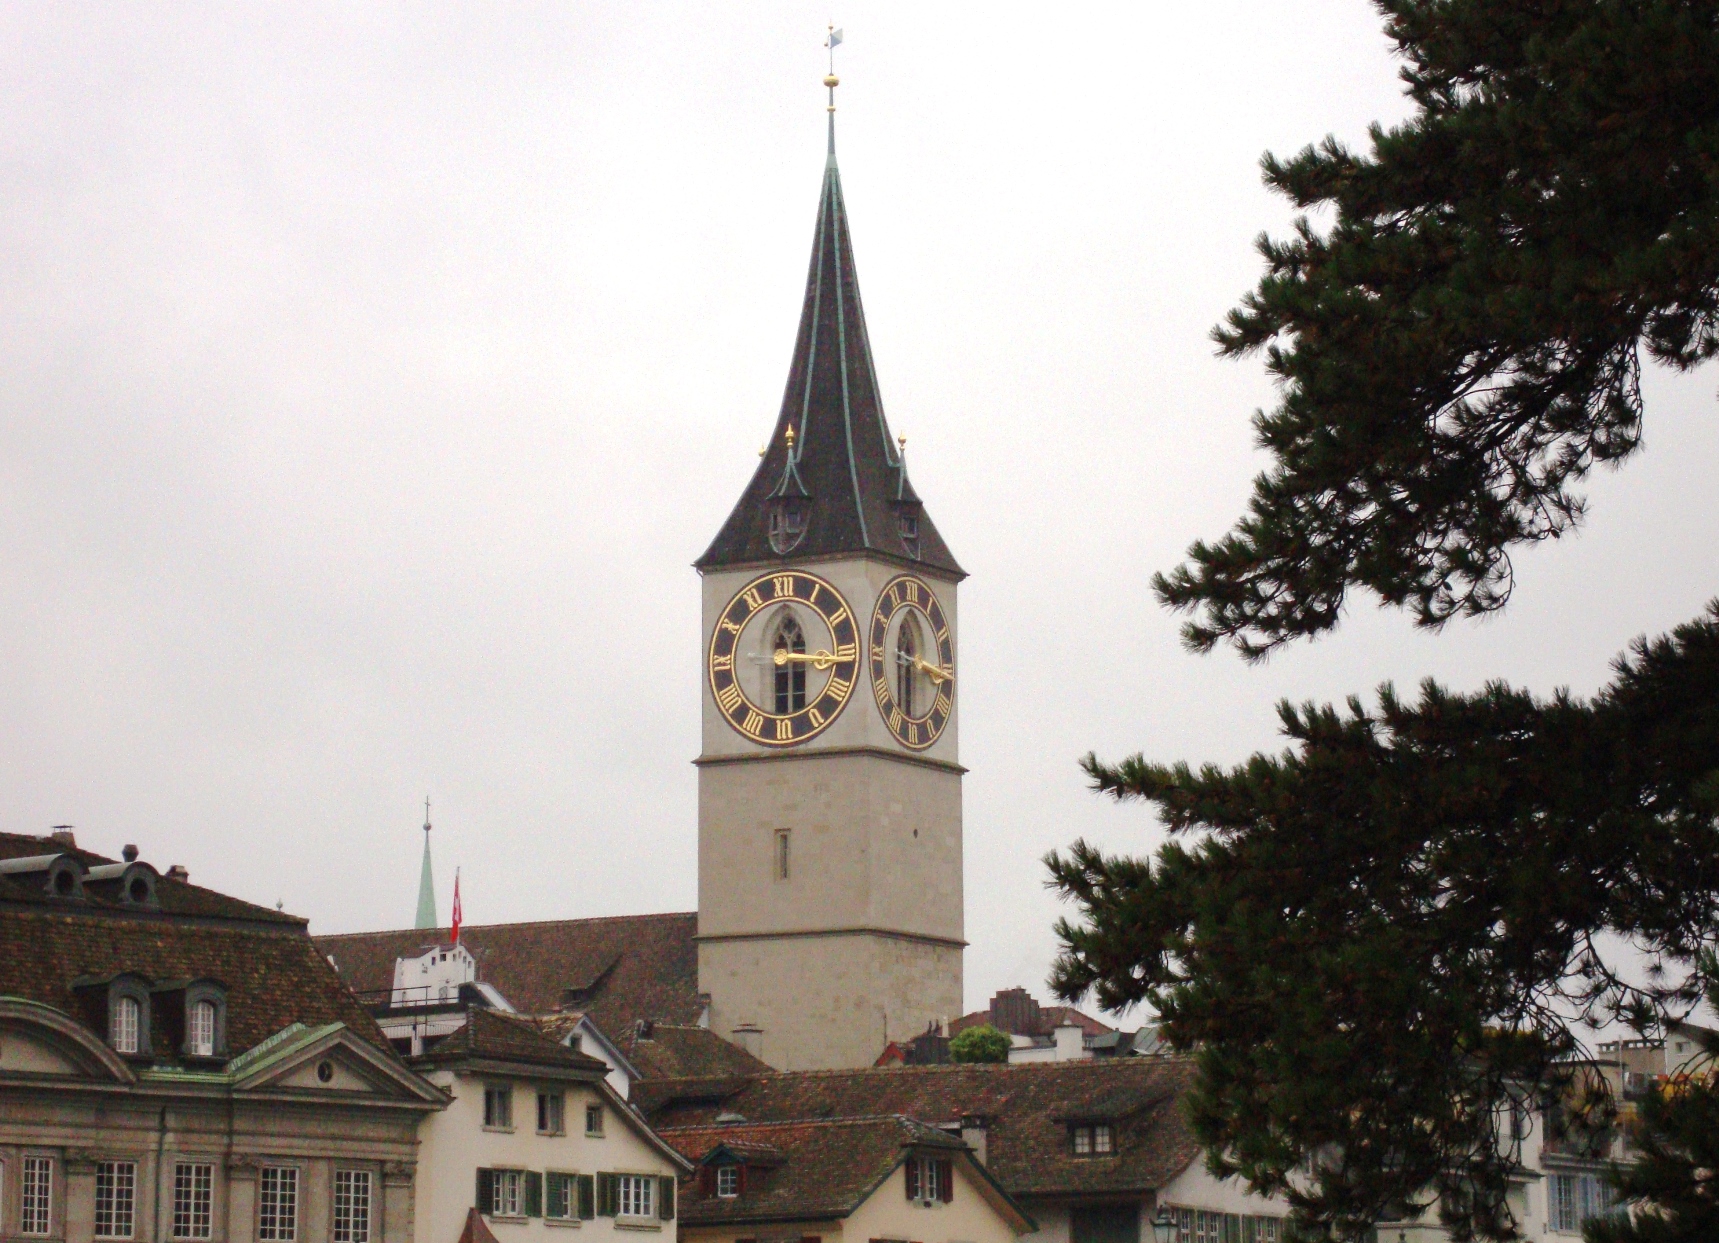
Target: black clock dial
pixel 912 662
pixel 783 658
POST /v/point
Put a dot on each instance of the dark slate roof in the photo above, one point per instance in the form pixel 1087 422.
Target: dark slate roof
pixel 489 1035
pixel 617 970
pixel 815 1170
pixel 273 975
pixel 174 897
pixel 844 464
pixel 1027 1109
pixel 672 1051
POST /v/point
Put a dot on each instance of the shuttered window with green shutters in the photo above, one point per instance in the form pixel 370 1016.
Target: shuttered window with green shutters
pixel 533 1194
pixel 608 1195
pixel 665 1198
pixel 559 1192
pixel 587 1196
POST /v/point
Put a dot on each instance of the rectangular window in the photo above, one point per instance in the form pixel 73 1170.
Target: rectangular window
pixel 559 1195
pixel 193 1200
pixel 783 837
pixel 126 1012
pixel 498 1106
pixel 1082 1141
pixel 36 1205
pixel 277 1204
pixel 507 1193
pixel 202 1040
pixel 1575 1199
pixel 1102 1139
pixel 593 1119
pixel 115 1199
pixel 549 1114
pixel 637 1194
pixel 352 1206
pixel 728 1181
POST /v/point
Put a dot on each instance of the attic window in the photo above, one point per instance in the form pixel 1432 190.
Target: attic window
pixel 1097 1139
pixel 907 526
pixel 727 1181
pixel 787 519
pixel 125 1023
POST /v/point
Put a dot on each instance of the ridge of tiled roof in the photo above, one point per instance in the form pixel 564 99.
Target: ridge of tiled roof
pixel 492 1036
pixel 617 969
pixel 831 451
pixel 175 897
pixel 1026 1107
pixel 687 1051
pixel 822 1168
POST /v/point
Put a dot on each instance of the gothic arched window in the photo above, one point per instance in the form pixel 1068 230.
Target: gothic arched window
pixel 790 676
pixel 906 674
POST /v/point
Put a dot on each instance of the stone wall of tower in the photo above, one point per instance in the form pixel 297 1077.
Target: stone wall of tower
pixel 829 1002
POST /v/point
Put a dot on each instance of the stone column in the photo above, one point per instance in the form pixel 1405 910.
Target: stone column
pixel 241 1198
pixel 397 1197
pixel 75 1213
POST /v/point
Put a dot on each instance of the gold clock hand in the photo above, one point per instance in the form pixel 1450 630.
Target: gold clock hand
pixel 931 671
pixel 818 660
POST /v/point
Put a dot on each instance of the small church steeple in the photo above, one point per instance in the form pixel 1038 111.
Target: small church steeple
pixel 426 881
pixel 832 479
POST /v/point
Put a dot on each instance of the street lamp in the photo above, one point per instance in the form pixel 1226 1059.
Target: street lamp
pixel 1164 1226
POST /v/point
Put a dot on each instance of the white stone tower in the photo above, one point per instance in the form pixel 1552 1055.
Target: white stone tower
pixel 829 827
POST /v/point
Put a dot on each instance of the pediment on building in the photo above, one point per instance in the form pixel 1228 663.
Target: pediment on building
pixel 328 1060
pixel 38 1041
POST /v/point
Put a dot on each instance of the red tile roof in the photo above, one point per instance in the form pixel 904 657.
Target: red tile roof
pixel 617 970
pixel 1026 1108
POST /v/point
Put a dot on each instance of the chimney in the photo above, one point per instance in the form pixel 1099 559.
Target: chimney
pixel 973 1135
pixel 751 1039
pixel 63 835
pixel 1070 1043
pixel 129 853
pixel 178 872
pixel 1014 1011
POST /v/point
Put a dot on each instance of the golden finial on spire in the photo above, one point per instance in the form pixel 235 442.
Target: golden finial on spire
pixel 789 437
pixel 830 79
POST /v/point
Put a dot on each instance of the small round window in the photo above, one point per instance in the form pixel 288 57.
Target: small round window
pixel 325 1071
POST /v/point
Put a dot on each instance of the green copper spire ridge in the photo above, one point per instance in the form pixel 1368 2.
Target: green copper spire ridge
pixel 426 882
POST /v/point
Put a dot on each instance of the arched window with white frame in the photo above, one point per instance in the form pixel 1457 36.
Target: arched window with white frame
pixel 202 1028
pixel 124 1024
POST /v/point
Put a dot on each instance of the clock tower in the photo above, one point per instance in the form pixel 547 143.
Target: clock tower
pixel 829 793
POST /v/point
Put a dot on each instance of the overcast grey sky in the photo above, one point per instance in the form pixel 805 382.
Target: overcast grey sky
pixel 370 375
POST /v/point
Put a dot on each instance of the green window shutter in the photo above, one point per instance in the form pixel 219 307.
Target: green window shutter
pixel 608 1195
pixel 587 1197
pixel 533 1194
pixel 554 1185
pixel 486 1191
pixel 910 1177
pixel 665 1198
pixel 946 1181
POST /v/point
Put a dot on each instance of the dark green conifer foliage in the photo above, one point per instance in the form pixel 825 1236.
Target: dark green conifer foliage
pixel 1376 941
pixel 1463 343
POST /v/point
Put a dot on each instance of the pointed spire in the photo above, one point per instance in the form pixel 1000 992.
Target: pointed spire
pixel 426 881
pixel 833 479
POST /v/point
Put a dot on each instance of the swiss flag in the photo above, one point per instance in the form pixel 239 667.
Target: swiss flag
pixel 456 927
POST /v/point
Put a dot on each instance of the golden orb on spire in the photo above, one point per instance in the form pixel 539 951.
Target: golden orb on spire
pixel 831 81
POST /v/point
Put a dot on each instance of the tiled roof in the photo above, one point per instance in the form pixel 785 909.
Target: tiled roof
pixel 617 970
pixel 493 1036
pixel 673 1051
pixel 818 1170
pixel 174 897
pixel 843 466
pixel 1027 1109
pixel 273 975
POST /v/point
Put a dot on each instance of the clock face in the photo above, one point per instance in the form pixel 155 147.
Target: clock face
pixel 783 658
pixel 912 662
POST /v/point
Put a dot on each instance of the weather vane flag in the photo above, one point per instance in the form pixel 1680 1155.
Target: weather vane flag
pixel 831 81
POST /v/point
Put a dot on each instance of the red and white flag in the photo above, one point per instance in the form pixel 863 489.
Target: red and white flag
pixel 456 927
